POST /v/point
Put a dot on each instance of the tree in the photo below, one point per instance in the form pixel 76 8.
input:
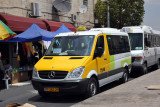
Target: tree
pixel 122 12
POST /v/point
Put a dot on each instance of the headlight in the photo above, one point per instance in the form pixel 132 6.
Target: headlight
pixel 34 74
pixel 77 72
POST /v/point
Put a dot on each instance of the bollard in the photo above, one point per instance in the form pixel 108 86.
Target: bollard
pixel 6 83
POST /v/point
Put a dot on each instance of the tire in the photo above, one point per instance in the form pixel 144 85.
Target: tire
pixel 157 66
pixel 43 94
pixel 144 69
pixel 125 77
pixel 92 88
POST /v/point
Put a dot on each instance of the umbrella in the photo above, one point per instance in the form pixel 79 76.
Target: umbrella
pixel 5 32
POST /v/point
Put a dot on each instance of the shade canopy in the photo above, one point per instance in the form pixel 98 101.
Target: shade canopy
pixel 62 29
pixel 32 34
pixel 5 31
pixel 35 33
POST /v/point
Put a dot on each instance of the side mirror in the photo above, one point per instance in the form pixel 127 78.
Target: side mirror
pixel 100 51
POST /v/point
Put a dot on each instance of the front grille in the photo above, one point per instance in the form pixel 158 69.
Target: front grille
pixel 58 74
pixel 133 59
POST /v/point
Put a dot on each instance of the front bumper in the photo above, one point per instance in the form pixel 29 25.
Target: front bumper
pixel 65 86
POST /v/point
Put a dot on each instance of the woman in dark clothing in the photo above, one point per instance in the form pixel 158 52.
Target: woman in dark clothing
pixel 1 73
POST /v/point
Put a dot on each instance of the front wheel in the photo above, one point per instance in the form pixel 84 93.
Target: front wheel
pixel 92 88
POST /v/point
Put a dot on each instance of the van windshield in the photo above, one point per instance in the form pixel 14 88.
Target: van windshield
pixel 136 40
pixel 71 46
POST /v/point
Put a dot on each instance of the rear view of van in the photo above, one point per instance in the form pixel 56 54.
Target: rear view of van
pixel 82 62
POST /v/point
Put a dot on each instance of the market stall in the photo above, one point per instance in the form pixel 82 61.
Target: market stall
pixel 28 43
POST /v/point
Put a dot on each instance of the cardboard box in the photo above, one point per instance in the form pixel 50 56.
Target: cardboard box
pixel 20 105
pixel 15 77
pixel 23 76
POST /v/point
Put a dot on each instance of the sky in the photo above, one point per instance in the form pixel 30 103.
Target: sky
pixel 152 14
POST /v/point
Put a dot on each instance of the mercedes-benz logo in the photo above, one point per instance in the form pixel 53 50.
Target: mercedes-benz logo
pixel 51 75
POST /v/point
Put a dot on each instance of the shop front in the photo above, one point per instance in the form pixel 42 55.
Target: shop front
pixel 23 56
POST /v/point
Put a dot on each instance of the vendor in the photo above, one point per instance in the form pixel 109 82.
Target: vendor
pixel 1 73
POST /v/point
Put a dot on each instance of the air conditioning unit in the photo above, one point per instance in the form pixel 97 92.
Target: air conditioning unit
pixel 74 17
pixel 36 9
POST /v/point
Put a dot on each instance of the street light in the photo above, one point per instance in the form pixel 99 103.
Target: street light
pixel 108 15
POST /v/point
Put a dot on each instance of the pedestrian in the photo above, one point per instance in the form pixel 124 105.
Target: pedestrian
pixel 2 71
pixel 7 68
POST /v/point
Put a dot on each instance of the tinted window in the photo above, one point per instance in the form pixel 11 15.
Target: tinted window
pixel 118 44
pixel 100 42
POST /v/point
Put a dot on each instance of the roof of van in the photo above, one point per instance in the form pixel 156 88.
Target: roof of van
pixel 95 31
pixel 139 29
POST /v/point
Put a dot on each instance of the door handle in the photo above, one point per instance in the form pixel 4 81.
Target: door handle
pixel 105 59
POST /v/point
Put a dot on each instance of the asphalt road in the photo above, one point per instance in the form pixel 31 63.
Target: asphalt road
pixel 26 94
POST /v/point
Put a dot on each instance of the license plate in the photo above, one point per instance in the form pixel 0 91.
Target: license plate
pixel 51 89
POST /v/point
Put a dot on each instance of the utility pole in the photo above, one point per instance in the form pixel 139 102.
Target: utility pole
pixel 108 15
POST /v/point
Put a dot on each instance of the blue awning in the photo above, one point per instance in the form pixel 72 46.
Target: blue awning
pixel 35 33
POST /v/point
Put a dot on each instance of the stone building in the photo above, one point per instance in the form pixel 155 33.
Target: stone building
pixel 19 15
pixel 47 11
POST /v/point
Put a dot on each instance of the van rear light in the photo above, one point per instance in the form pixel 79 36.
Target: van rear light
pixel 138 58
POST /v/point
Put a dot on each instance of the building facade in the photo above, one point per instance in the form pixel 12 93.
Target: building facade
pixel 21 14
pixel 45 9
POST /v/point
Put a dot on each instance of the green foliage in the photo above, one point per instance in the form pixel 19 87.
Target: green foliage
pixel 122 12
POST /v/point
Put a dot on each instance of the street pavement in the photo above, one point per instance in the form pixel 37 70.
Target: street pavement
pixel 26 94
pixel 131 94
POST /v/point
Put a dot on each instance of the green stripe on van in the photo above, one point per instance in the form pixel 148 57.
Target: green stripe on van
pixel 128 61
pixel 112 62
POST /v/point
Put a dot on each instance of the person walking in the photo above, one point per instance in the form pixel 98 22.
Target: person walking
pixel 2 72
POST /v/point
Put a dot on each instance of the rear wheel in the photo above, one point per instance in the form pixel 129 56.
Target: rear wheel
pixel 92 88
pixel 125 77
pixel 144 69
pixel 158 64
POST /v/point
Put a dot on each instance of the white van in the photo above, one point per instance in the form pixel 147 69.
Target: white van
pixel 145 47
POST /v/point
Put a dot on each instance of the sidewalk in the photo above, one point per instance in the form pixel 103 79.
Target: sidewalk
pixel 131 94
pixel 21 83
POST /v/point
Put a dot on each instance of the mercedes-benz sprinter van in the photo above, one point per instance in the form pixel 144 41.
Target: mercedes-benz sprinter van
pixel 81 62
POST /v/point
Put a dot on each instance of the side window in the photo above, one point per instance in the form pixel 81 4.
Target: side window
pixel 118 44
pixel 154 37
pixel 150 38
pixel 157 40
pixel 99 49
pixel 116 41
pixel 100 42
pixel 152 41
pixel 125 44
pixel 145 40
pixel 110 45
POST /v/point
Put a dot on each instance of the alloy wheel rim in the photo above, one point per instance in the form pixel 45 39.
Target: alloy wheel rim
pixel 125 77
pixel 93 89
